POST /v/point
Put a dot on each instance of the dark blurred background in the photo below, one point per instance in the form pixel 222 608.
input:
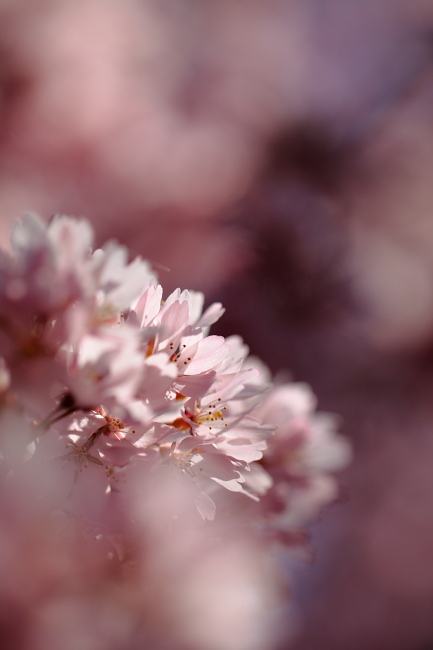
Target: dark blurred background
pixel 278 155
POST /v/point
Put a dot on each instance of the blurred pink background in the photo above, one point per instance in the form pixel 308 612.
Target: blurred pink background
pixel 277 154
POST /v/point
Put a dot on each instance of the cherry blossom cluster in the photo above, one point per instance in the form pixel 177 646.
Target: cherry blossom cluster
pixel 142 440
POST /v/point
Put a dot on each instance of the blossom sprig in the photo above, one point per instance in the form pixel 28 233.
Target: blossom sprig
pixel 118 406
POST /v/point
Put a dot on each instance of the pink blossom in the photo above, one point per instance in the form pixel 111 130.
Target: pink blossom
pixel 106 368
pixel 134 437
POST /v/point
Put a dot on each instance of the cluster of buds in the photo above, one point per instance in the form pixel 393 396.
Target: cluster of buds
pixel 144 443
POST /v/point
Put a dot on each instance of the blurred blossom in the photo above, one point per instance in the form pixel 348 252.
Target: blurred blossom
pixel 165 103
